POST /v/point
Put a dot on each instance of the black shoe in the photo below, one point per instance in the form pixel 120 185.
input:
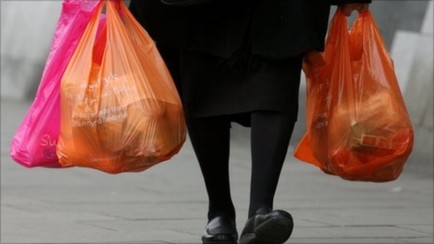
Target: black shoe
pixel 267 227
pixel 220 230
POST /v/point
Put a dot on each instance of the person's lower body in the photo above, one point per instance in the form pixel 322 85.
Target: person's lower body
pixel 270 135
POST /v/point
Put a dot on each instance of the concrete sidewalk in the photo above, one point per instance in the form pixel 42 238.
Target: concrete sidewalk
pixel 168 203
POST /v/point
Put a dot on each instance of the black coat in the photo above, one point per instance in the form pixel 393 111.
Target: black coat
pixel 277 28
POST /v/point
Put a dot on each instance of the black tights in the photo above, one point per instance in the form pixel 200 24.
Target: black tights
pixel 270 135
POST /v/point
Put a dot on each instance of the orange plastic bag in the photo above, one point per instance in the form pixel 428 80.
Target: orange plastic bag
pixel 358 127
pixel 120 111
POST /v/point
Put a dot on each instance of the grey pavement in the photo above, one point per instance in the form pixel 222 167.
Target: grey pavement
pixel 168 203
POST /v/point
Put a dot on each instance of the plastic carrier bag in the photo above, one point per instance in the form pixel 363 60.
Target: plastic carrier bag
pixel 358 127
pixel 35 141
pixel 120 109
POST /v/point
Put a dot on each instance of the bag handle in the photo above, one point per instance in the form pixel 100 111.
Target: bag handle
pixel 338 44
pixel 135 29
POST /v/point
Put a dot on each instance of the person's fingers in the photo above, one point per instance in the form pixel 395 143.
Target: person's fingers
pixel 348 8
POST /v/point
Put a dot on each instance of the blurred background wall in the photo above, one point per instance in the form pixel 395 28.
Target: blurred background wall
pixel 27 29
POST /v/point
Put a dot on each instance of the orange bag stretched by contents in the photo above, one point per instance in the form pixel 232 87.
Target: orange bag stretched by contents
pixel 120 111
pixel 358 127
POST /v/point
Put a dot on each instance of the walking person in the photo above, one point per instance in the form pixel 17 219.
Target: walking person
pixel 240 61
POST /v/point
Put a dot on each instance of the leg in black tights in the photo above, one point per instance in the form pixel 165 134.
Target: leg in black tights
pixel 270 136
pixel 210 139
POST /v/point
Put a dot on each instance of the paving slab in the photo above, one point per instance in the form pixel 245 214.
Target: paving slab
pixel 168 203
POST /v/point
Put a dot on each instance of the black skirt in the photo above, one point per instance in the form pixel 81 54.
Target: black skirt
pixel 214 86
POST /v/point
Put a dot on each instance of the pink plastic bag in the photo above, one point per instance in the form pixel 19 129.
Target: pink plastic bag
pixel 34 144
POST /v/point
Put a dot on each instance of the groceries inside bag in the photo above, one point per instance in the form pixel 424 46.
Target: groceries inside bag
pixel 358 127
pixel 120 110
